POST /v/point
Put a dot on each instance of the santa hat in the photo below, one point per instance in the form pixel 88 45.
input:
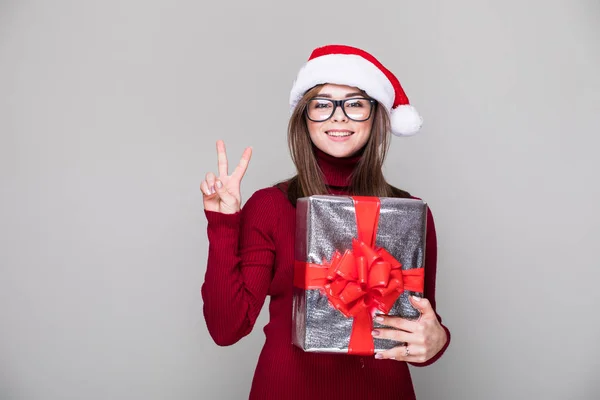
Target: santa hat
pixel 346 65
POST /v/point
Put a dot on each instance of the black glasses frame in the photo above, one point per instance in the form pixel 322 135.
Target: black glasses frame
pixel 341 103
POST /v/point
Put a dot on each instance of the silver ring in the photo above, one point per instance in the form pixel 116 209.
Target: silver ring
pixel 407 352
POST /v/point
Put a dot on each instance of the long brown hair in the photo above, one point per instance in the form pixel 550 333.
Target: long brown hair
pixel 367 178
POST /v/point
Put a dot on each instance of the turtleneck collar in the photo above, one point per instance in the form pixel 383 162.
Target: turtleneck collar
pixel 337 171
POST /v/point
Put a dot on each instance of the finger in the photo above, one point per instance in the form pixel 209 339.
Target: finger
pixel 210 181
pixel 393 334
pixel 403 353
pixel 423 305
pixel 221 158
pixel 397 322
pixel 241 168
pixel 204 188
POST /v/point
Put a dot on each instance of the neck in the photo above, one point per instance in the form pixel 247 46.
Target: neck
pixel 337 170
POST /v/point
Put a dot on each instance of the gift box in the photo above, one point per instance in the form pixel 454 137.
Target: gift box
pixel 355 257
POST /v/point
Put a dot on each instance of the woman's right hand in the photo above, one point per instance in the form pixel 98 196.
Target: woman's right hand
pixel 222 193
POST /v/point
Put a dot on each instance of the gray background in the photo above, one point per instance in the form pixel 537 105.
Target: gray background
pixel 108 116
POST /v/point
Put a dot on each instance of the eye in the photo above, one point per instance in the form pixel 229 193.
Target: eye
pixel 320 104
pixel 356 103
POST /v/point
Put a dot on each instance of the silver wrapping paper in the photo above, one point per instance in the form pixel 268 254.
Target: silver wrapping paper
pixel 327 223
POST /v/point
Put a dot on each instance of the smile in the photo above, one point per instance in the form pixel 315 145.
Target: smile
pixel 339 133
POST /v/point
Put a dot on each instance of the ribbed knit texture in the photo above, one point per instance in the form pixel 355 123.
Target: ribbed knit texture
pixel 251 256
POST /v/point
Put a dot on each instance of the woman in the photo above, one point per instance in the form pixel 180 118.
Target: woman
pixel 344 106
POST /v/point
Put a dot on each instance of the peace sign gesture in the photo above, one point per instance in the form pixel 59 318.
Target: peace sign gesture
pixel 222 193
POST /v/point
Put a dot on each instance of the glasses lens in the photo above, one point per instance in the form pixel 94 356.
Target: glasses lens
pixel 319 109
pixel 357 109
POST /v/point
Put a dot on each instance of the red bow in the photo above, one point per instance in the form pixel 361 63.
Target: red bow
pixel 366 278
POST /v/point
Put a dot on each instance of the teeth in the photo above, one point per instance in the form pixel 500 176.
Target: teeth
pixel 339 134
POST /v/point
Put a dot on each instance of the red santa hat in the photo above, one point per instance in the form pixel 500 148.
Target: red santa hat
pixel 346 65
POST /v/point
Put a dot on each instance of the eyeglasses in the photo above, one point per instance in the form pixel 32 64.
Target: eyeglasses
pixel 357 109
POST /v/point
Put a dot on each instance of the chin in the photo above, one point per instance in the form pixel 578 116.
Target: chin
pixel 340 153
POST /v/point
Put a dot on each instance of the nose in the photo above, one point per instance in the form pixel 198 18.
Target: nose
pixel 338 114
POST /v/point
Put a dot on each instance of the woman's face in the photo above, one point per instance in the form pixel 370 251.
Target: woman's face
pixel 339 136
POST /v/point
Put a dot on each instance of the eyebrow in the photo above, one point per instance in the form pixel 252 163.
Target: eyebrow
pixel 353 94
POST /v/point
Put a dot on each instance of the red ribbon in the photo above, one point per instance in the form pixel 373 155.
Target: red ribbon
pixel 362 279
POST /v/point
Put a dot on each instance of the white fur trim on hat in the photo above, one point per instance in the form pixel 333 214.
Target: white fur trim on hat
pixel 343 69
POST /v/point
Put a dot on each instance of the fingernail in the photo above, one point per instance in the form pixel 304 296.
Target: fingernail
pixel 416 298
pixel 375 333
pixel 379 319
pixel 212 189
pixel 219 184
pixel 379 356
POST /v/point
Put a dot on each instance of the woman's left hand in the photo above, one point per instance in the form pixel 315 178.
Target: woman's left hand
pixel 424 337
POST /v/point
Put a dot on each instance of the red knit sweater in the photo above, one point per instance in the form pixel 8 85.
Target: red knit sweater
pixel 250 256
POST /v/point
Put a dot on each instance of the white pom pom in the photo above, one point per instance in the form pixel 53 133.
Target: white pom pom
pixel 405 120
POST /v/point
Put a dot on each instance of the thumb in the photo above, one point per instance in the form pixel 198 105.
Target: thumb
pixel 220 188
pixel 423 305
pixel 223 193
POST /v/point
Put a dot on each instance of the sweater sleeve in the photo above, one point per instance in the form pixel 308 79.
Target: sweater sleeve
pixel 241 255
pixel 430 276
